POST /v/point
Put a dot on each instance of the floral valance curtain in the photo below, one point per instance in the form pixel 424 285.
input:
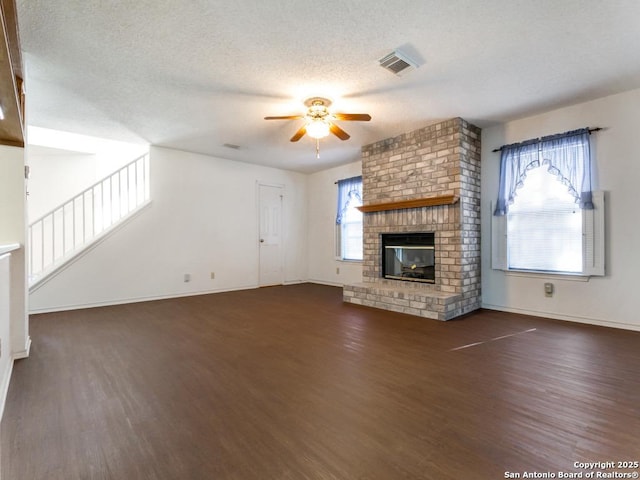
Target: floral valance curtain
pixel 348 188
pixel 566 155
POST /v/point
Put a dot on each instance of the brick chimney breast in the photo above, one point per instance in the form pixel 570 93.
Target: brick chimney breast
pixel 439 160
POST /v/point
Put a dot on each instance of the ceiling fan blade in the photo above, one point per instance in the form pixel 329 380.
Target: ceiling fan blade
pixel 298 135
pixel 286 117
pixel 360 117
pixel 338 132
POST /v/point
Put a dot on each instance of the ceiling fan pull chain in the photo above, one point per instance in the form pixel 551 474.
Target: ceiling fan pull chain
pixel 317 148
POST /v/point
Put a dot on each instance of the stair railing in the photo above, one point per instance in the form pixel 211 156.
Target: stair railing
pixel 67 229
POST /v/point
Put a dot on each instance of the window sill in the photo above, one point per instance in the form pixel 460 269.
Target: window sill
pixel 570 277
pixel 344 260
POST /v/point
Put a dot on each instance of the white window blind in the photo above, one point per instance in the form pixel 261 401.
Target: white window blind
pixel 544 226
pixel 349 219
pixel 592 243
pixel 351 231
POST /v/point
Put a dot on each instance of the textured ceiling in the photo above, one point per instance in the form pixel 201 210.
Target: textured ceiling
pixel 197 74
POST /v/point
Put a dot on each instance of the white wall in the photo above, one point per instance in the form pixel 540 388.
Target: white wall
pixel 55 178
pixel 13 231
pixel 323 197
pixel 610 300
pixel 202 219
pixel 14 324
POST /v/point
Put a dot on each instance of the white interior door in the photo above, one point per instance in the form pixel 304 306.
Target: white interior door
pixel 270 240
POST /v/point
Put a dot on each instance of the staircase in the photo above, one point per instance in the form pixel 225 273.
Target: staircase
pixel 69 229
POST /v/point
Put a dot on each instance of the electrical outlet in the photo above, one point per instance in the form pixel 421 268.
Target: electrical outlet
pixel 337 270
pixel 213 275
pixel 548 289
pixel 187 277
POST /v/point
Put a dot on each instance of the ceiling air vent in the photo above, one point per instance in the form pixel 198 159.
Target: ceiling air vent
pixel 398 63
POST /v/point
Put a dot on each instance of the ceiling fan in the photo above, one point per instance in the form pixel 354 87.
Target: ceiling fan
pixel 319 122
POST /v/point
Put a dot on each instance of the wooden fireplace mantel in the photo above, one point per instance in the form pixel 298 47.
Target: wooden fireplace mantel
pixel 414 203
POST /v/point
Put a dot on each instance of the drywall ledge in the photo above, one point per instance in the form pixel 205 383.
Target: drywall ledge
pixel 9 247
pixel 415 203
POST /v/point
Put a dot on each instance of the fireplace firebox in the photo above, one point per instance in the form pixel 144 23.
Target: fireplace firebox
pixel 409 256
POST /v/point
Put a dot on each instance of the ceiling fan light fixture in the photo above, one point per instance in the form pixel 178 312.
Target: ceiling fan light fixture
pixel 318 129
pixel 319 122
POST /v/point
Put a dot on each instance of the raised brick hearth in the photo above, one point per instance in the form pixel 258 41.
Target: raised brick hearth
pixel 434 162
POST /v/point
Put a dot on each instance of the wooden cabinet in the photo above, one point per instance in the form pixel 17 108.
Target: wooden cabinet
pixel 12 126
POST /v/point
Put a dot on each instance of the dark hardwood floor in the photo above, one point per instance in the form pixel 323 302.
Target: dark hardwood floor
pixel 290 383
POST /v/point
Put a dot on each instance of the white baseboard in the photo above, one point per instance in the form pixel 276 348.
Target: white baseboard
pixel 4 386
pixel 566 318
pixel 23 353
pixel 6 376
pixel 151 298
pixel 124 301
pixel 324 282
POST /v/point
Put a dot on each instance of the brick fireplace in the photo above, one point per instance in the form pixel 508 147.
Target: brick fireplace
pixel 425 181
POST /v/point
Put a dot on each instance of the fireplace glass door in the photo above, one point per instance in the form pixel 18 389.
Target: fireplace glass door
pixel 409 257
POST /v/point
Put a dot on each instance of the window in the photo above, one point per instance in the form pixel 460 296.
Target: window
pixel 544 226
pixel 349 219
pixel 547 219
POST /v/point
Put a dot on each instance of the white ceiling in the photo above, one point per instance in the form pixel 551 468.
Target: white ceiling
pixel 197 74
